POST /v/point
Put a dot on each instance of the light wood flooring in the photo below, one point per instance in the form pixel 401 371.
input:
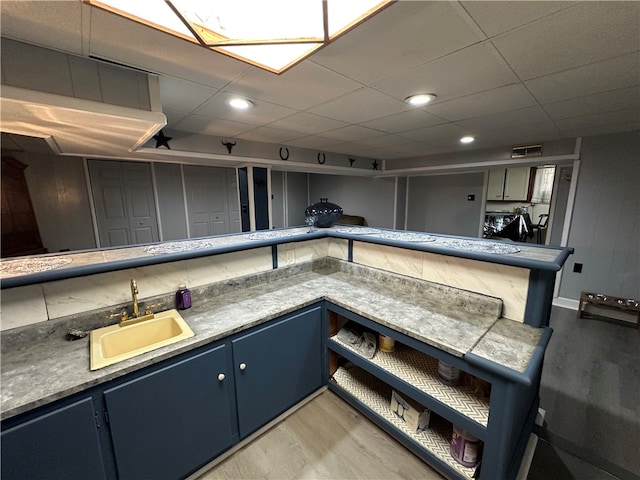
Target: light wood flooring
pixel 590 390
pixel 325 439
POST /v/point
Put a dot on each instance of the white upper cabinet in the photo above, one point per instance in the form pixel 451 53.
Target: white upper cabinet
pixel 509 184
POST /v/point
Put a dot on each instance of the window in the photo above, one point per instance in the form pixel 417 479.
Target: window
pixel 543 185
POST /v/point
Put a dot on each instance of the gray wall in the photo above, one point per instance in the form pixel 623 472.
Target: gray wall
pixel 371 198
pixel 561 197
pixel 171 201
pixel 277 199
pixel 605 224
pixel 401 202
pixel 438 204
pixel 297 198
pixel 60 199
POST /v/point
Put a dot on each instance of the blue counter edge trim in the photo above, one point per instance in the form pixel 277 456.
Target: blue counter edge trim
pixel 84 270
pixel 528 377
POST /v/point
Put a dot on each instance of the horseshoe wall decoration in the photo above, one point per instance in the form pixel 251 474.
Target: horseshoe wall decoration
pixel 282 156
pixel 323 157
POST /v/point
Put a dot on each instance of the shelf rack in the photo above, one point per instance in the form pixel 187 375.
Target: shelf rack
pixel 421 371
pixel 376 395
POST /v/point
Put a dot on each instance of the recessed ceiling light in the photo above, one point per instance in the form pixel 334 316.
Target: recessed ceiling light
pixel 467 139
pixel 240 103
pixel 420 99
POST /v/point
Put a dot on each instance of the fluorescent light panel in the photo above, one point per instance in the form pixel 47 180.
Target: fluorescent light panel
pixel 270 34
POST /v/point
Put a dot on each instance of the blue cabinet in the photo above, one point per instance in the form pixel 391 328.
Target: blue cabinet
pixel 491 405
pixel 277 366
pixel 168 423
pixel 61 443
pixel 168 420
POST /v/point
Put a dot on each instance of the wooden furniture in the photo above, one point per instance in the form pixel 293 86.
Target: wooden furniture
pixel 608 301
pixel 20 234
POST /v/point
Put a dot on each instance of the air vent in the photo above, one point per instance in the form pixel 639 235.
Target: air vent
pixel 526 151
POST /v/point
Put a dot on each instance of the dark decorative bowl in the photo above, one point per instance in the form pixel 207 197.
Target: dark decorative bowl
pixel 323 214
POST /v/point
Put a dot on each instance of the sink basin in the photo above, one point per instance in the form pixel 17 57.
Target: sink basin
pixel 114 343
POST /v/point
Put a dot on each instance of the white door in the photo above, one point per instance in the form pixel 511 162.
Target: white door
pixel 124 201
pixel 207 200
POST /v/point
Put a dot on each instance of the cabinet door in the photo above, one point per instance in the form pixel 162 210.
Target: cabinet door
pixel 275 367
pixel 63 443
pixel 174 420
pixel 495 187
pixel 516 184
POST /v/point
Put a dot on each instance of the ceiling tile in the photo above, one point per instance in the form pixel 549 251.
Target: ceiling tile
pixel 359 106
pixel 59 25
pixel 504 120
pixel 509 97
pixel 262 112
pixel 352 133
pixel 620 99
pixel 523 134
pixel 615 73
pixel 211 126
pixel 594 120
pixel 303 86
pixel 498 17
pixel 308 123
pixel 590 32
pixel 268 135
pixel 407 120
pixel 603 129
pixel 467 71
pixel 404 35
pixel 161 54
pixel 444 135
pixel 173 116
pixel 315 142
pixel 183 95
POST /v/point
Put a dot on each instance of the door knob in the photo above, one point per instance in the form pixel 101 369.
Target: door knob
pixel 221 376
pixel 243 366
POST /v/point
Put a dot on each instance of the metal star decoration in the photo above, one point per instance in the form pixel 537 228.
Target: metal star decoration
pixel 162 140
pixel 375 164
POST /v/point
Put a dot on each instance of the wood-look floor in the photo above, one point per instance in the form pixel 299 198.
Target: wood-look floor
pixel 590 390
pixel 325 439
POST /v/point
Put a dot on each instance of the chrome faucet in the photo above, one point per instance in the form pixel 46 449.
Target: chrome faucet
pixel 134 298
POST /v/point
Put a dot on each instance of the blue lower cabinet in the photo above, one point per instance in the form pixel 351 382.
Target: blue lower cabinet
pixel 60 444
pixel 172 421
pixel 277 366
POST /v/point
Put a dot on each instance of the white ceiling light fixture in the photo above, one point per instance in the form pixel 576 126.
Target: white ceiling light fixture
pixel 240 103
pixel 420 99
pixel 467 139
pixel 270 34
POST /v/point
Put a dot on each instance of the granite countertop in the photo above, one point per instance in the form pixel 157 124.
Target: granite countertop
pixel 36 372
pixel 42 268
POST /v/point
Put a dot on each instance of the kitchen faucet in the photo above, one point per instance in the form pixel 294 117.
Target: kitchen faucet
pixel 134 298
pixel 136 316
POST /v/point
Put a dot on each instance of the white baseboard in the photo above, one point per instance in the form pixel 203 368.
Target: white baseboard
pixel 566 303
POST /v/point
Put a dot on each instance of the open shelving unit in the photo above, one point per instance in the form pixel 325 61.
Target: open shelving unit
pixel 375 394
pixel 421 371
pixel 487 404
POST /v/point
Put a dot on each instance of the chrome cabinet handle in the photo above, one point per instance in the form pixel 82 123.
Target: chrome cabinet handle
pixel 221 376
pixel 243 366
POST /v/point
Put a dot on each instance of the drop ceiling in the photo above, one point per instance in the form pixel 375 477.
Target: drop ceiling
pixel 507 73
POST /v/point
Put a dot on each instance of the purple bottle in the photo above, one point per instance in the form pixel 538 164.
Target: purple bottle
pixel 183 297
